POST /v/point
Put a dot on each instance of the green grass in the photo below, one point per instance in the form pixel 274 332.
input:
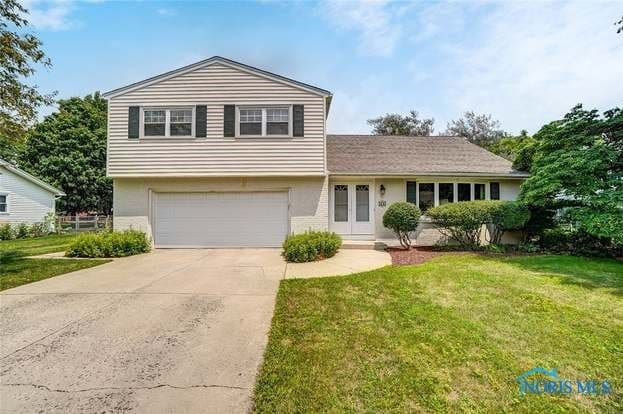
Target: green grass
pixel 22 271
pixel 450 335
pixel 39 245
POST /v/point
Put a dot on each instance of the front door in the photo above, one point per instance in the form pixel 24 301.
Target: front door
pixel 352 208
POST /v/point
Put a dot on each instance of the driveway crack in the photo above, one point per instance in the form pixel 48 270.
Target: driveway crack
pixel 130 388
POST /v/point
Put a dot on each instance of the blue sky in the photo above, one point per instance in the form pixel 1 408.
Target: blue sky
pixel 526 63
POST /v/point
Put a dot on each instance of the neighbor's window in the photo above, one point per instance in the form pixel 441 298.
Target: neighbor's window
pixel 464 192
pixel 427 196
pixel 264 121
pixel 168 122
pixel 4 205
pixel 479 191
pixel 446 193
pixel 494 191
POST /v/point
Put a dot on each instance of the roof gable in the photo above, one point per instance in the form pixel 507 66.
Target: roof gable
pixel 222 61
pixel 29 177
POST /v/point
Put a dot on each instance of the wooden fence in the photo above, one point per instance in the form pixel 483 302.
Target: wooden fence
pixel 84 223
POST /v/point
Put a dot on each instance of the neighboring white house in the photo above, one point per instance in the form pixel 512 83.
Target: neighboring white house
pixel 23 197
pixel 219 153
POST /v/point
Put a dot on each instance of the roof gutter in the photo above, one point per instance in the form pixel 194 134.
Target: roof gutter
pixel 434 174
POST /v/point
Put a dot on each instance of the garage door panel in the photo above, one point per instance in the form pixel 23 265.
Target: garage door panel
pixel 254 219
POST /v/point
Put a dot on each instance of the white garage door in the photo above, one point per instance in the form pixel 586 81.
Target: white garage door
pixel 253 219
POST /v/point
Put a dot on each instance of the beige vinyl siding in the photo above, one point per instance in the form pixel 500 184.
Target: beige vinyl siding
pixel 215 86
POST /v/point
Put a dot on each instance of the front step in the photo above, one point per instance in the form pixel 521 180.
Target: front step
pixel 363 245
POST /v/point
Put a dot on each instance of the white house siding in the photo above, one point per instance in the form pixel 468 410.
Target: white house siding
pixel 395 190
pixel 215 86
pixel 308 197
pixel 28 202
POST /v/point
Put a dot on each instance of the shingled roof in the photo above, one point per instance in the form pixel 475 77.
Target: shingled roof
pixel 404 155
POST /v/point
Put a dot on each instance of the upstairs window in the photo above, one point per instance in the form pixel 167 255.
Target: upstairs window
pixel 168 122
pixel 265 121
pixel 250 121
pixel 155 123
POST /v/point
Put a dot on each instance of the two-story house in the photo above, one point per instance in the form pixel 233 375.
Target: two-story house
pixel 219 154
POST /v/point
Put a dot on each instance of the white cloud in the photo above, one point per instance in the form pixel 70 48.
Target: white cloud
pixel 374 21
pixel 166 12
pixel 534 61
pixel 49 15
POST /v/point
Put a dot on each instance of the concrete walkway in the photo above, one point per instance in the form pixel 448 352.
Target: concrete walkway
pixel 173 331
pixel 345 262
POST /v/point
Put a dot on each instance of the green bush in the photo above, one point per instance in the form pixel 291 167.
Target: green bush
pixel 8 256
pixel 462 221
pixel 311 246
pixel 565 239
pixel 506 215
pixel 402 218
pixel 22 231
pixel 109 244
pixel 6 231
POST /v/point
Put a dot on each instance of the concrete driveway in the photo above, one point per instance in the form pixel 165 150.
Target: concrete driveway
pixel 173 331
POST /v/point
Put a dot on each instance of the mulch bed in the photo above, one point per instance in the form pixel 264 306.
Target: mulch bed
pixel 415 255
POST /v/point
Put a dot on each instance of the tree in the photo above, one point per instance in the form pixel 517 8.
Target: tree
pixel 481 130
pixel 510 146
pixel 19 101
pixel 578 165
pixel 396 124
pixel 68 149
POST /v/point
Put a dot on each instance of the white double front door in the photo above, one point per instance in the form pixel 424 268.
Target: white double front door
pixel 352 208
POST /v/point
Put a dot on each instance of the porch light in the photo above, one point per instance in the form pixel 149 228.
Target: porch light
pixel 382 189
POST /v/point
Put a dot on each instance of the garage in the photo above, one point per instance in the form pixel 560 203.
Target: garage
pixel 220 219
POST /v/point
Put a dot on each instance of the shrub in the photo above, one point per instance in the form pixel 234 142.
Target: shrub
pixel 38 230
pixel 22 231
pixel 565 239
pixel 8 256
pixel 6 232
pixel 507 215
pixel 462 221
pixel 311 246
pixel 402 218
pixel 109 244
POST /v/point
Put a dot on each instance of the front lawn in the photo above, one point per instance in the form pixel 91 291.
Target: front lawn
pixel 451 334
pixel 22 271
pixel 39 245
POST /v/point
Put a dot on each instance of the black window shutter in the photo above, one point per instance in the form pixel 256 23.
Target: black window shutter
pixel 298 124
pixel 494 191
pixel 411 192
pixel 201 119
pixel 229 120
pixel 133 121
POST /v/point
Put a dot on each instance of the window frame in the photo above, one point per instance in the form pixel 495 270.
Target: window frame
pixel 167 122
pixel 455 189
pixel 264 128
pixel 6 203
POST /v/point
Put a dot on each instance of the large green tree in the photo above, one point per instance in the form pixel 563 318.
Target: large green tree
pixel 68 149
pixel 20 54
pixel 396 124
pixel 577 164
pixel 511 146
pixel 479 129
